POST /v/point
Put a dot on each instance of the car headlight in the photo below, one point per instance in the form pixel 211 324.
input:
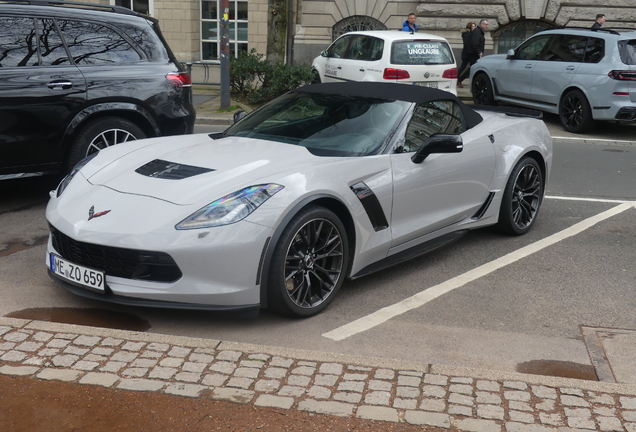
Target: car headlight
pixel 231 208
pixel 66 180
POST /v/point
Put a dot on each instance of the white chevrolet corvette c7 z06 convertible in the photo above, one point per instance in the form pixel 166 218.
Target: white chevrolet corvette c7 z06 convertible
pixel 327 182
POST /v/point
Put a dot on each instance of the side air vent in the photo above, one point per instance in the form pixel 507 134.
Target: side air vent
pixel 170 170
pixel 371 205
pixel 482 210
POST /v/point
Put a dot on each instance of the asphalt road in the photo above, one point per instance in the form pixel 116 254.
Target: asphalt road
pixel 524 310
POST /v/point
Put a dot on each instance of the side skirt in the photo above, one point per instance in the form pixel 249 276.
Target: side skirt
pixel 410 253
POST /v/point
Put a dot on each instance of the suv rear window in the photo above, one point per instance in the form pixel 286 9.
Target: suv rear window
pixel 421 52
pixel 94 44
pixel 627 50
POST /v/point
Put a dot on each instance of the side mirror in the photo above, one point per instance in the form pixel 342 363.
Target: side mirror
pixel 438 143
pixel 324 54
pixel 511 54
pixel 239 115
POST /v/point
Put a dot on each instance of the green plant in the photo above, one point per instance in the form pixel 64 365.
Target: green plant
pixel 247 71
pixel 230 109
pixel 258 81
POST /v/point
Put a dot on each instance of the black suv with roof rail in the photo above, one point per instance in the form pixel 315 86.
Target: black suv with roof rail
pixel 77 77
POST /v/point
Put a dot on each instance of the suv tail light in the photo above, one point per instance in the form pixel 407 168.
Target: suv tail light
pixel 450 73
pixel 622 75
pixel 390 73
pixel 179 79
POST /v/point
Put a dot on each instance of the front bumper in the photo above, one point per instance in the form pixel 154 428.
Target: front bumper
pixel 132 301
pixel 219 271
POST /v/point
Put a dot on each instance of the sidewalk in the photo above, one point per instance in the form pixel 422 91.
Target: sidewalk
pixel 313 382
pixel 207 102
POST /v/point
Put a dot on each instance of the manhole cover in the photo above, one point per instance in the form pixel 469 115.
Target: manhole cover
pixel 612 353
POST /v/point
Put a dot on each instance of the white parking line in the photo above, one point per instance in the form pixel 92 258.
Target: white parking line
pixel 423 297
pixel 628 142
pixel 601 200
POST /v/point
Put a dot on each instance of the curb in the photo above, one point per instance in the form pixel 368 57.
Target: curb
pixel 215 121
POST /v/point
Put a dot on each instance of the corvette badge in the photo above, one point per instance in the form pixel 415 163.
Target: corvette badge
pixel 92 214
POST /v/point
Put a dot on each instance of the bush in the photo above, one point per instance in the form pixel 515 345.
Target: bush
pixel 257 81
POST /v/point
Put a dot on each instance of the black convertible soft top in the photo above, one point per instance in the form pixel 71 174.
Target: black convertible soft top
pixel 392 91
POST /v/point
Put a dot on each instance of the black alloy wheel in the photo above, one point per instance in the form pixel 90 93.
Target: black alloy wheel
pixel 309 263
pixel 575 113
pixel 482 90
pixel 522 198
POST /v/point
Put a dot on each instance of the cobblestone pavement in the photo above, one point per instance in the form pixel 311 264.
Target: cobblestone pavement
pixel 367 388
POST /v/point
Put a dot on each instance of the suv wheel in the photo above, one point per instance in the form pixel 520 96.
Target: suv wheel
pixel 575 113
pixel 101 133
pixel 482 90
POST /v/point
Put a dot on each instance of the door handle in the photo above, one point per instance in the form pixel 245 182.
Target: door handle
pixel 569 68
pixel 60 85
pixel 361 70
pixel 528 66
pixel 339 67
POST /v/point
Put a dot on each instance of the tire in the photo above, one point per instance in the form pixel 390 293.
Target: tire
pixel 315 76
pixel 575 112
pixel 522 198
pixel 309 264
pixel 101 133
pixel 482 90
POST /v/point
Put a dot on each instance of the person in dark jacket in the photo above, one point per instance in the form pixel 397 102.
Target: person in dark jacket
pixel 600 20
pixel 464 69
pixel 475 48
pixel 478 40
pixel 409 25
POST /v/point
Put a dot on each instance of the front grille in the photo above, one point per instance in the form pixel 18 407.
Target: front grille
pixel 114 261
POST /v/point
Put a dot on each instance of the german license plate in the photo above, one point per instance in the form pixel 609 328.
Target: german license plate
pixel 431 84
pixel 78 274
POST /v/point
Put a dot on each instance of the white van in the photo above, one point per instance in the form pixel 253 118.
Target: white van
pixel 390 56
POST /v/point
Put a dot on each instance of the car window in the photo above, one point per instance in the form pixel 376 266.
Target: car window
pixel 568 48
pixel 51 47
pixel 432 118
pixel 94 44
pixel 147 40
pixel 377 49
pixel 531 49
pixel 422 52
pixel 595 50
pixel 325 124
pixel 18 42
pixel 627 50
pixel 339 48
pixel 364 48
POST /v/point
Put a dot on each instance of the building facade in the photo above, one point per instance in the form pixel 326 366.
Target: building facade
pixel 298 30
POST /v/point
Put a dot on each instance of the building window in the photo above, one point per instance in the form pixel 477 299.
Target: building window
pixel 211 15
pixel 142 6
pixel 355 23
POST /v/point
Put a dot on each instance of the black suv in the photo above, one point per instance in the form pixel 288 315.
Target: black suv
pixel 76 78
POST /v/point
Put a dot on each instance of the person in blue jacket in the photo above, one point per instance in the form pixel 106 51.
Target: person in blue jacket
pixel 409 25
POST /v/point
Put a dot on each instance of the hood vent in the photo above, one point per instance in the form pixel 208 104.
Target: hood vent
pixel 170 170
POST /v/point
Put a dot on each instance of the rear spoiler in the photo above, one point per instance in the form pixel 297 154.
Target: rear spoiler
pixel 511 111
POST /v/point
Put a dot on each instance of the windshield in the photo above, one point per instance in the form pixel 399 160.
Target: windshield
pixel 326 124
pixel 421 52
